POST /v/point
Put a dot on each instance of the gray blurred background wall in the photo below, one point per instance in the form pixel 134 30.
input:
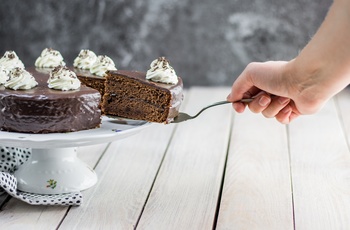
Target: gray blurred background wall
pixel 208 42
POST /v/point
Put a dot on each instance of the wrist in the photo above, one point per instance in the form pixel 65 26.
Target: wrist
pixel 307 85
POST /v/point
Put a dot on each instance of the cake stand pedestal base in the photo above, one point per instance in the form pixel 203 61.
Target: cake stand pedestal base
pixel 54 171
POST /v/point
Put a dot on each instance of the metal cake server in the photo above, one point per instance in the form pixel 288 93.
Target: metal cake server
pixel 184 116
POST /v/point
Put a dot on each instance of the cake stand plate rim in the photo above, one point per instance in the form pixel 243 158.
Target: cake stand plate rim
pixel 110 130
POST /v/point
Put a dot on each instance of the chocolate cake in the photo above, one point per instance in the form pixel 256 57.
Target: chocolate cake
pixel 129 94
pixel 45 110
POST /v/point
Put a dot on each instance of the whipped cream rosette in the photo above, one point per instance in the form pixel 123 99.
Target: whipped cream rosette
pixel 19 78
pixel 161 71
pixel 10 60
pixel 61 78
pixel 49 58
pixel 85 59
pixel 102 64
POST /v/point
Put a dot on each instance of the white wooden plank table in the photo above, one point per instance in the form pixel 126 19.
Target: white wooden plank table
pixel 220 171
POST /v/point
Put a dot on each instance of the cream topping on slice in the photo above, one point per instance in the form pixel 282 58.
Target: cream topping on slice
pixel 161 71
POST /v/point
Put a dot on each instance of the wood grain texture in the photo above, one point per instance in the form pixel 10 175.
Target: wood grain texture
pixel 186 191
pixel 126 174
pixel 257 188
pixel 320 161
pixel 19 215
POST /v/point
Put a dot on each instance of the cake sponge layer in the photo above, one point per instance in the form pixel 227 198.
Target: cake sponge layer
pixel 128 94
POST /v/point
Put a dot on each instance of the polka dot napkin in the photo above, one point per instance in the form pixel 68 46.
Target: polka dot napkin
pixel 12 158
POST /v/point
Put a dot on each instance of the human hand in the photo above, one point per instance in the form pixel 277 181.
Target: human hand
pixel 266 83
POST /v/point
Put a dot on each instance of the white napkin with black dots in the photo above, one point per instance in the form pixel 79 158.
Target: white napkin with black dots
pixel 10 159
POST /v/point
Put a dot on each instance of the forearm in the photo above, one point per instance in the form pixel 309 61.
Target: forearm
pixel 326 58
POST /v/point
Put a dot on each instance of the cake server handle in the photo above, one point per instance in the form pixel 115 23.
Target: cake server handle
pixel 184 116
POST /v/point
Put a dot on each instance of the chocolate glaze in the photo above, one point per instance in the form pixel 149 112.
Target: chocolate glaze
pixel 45 110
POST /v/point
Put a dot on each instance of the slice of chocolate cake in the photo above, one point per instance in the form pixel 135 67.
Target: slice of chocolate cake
pixel 129 94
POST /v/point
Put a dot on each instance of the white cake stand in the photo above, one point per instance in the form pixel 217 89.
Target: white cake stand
pixel 54 167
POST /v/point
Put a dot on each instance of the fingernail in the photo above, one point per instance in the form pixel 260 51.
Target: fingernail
pixel 283 100
pixel 264 101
